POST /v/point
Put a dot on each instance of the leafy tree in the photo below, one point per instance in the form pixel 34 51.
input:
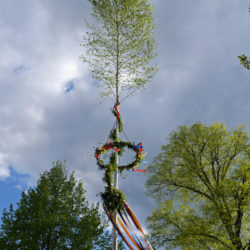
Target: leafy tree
pixel 120 46
pixel 54 215
pixel 201 183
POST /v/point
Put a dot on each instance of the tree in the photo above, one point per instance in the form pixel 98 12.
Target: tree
pixel 201 183
pixel 54 215
pixel 120 46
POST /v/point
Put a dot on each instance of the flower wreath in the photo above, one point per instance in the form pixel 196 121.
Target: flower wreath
pixel 119 147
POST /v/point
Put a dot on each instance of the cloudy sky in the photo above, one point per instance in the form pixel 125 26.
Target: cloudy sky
pixel 50 108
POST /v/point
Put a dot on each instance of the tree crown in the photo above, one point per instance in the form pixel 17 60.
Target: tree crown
pixel 54 215
pixel 201 183
pixel 121 45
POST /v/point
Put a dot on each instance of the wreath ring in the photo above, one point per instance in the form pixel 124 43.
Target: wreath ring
pixel 119 148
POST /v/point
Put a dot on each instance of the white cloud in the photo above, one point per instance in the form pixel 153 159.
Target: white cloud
pixel 37 61
pixel 4 167
pixel 19 187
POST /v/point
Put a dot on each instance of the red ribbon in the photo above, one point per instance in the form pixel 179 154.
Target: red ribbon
pixel 139 170
pixel 109 147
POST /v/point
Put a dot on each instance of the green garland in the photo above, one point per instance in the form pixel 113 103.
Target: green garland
pixel 113 199
pixel 118 146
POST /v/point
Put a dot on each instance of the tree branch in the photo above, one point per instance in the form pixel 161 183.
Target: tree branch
pixel 190 189
pixel 211 237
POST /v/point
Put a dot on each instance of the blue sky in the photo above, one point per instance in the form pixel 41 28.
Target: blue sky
pixel 51 110
pixel 11 188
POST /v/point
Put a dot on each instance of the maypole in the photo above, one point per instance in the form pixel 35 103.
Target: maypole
pixel 120 47
pixel 117 105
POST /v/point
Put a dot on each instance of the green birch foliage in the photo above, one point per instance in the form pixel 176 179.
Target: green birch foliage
pixel 54 215
pixel 120 46
pixel 201 183
pixel 244 61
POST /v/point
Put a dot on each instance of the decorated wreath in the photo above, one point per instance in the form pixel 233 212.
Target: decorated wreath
pixel 119 146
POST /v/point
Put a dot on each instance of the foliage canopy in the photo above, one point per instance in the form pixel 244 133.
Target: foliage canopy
pixel 54 215
pixel 201 183
pixel 121 45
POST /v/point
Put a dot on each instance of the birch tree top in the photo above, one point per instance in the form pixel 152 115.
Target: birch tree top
pixel 120 46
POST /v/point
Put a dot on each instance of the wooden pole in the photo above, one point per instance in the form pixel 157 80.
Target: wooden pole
pixel 114 242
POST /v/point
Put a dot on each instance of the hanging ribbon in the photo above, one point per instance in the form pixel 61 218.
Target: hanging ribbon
pixel 143 237
pixel 126 231
pixel 132 216
pixel 111 218
pixel 139 170
pixel 135 237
